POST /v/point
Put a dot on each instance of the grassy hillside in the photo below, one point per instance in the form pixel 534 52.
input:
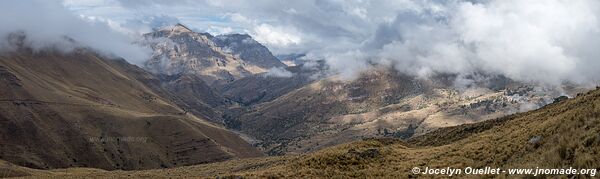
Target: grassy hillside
pixel 258 88
pixel 560 135
pixel 79 109
pixel 381 103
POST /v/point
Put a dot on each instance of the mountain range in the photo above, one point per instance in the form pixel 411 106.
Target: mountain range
pixel 217 105
pixel 529 139
pixel 215 59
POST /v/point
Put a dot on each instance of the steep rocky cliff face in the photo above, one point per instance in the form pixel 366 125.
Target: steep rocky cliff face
pixel 179 50
pixel 195 67
pixel 216 60
pixel 248 49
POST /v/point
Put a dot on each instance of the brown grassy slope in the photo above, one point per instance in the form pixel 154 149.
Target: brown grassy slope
pixel 196 171
pixel 11 170
pixel 305 112
pixel 568 131
pixel 52 104
pixel 187 91
pixel 258 88
pixel 380 103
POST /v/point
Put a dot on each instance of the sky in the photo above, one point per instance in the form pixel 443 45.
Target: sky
pixel 544 41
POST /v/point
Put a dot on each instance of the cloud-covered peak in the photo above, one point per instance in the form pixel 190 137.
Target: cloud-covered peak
pixel 48 24
pixel 545 41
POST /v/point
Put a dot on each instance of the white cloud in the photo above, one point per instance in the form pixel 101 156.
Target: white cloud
pixel 218 30
pixel 46 23
pixel 238 18
pixel 275 36
pixel 349 64
pixel 278 72
pixel 546 41
pixel 526 40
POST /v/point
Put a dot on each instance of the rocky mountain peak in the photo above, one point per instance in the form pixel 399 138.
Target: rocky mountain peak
pixel 216 60
pixel 248 49
pixel 180 28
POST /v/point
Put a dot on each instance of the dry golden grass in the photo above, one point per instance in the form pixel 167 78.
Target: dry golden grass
pixel 381 103
pixel 568 131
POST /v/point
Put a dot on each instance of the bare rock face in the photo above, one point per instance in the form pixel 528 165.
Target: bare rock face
pixel 216 60
pixel 194 66
pixel 248 49
pixel 179 50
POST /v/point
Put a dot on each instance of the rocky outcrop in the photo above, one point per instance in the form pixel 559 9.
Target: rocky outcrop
pixel 248 49
pixel 216 60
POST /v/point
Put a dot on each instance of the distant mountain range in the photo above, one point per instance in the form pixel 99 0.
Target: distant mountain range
pixel 216 60
pixel 202 98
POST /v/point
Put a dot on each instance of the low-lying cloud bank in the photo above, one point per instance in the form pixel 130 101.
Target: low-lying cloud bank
pixel 549 41
pixel 542 41
pixel 46 23
pixel 278 72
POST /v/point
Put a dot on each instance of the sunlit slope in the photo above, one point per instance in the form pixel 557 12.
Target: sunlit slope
pixel 381 103
pixel 565 134
pixel 561 135
pixel 80 110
